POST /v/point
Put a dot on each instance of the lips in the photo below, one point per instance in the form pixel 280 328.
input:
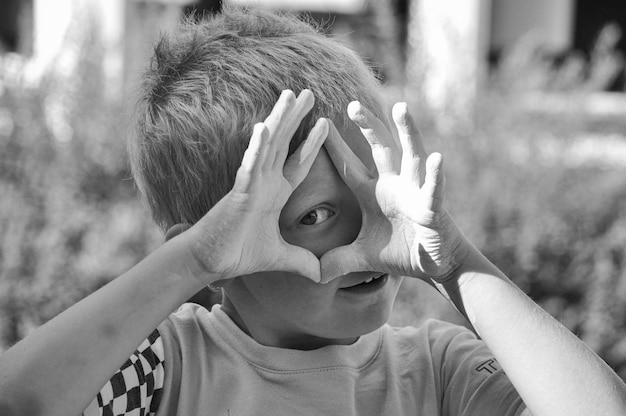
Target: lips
pixel 364 281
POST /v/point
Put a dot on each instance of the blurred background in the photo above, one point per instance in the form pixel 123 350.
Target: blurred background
pixel 525 99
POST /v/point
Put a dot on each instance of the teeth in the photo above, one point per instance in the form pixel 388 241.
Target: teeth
pixel 369 280
pixel 372 278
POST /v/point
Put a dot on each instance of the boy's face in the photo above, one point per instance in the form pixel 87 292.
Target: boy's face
pixel 288 310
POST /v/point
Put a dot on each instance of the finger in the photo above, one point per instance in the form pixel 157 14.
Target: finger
pixel 254 158
pixel 341 261
pixel 434 182
pixel 350 168
pixel 289 124
pixel 281 109
pixel 276 120
pixel 298 165
pixel 176 230
pixel 378 137
pixel 413 152
pixel 303 262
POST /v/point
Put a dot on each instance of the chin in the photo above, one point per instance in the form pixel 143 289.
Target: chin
pixel 372 321
pixel 370 318
pixel 363 322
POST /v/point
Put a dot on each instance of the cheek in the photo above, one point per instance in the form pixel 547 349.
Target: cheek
pixel 288 294
pixel 273 286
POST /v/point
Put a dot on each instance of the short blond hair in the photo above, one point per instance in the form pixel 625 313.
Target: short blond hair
pixel 208 84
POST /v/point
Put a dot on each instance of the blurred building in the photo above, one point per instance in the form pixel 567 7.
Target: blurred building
pixel 442 46
pixel 45 32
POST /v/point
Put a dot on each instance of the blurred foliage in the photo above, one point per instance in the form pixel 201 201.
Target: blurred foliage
pixel 70 219
pixel 530 66
pixel 545 209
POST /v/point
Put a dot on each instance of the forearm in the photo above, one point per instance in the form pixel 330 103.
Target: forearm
pixel 554 372
pixel 61 366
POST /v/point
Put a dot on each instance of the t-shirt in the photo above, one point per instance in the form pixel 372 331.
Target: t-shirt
pixel 201 363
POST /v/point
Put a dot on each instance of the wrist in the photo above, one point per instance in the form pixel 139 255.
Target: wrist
pixel 469 264
pixel 457 248
pixel 183 259
pixel 468 274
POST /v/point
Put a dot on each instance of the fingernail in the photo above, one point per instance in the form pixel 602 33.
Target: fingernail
pixel 399 112
pixel 305 92
pixel 354 109
pixel 287 95
pixel 319 131
pixel 307 98
pixel 322 125
pixel 258 128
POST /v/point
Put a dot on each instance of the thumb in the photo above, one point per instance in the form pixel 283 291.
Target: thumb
pixel 341 261
pixel 303 262
pixel 176 229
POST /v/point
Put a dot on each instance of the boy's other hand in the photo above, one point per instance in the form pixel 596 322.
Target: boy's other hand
pixel 240 234
pixel 405 229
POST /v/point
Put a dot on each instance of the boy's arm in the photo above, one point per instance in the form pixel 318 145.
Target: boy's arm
pixel 407 232
pixel 553 371
pixel 59 368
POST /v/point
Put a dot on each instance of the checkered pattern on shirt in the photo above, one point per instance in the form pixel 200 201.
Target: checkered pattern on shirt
pixel 135 389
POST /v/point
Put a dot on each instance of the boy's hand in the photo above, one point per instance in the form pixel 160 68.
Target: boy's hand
pixel 405 230
pixel 240 234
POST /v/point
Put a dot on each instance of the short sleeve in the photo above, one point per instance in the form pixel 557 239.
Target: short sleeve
pixel 472 381
pixel 135 389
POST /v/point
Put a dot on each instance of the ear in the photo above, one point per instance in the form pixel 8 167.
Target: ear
pixel 176 229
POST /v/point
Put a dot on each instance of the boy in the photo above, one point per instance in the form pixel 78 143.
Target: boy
pixel 307 243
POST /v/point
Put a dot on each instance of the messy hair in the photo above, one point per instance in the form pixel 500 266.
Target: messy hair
pixel 209 82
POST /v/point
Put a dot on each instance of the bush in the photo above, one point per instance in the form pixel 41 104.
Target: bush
pixel 70 220
pixel 544 197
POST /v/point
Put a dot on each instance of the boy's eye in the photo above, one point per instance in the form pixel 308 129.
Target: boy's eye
pixel 316 216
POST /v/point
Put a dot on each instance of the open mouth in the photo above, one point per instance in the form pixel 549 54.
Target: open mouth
pixel 371 284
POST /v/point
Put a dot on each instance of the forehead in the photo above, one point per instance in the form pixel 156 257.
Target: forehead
pixel 323 180
pixel 354 138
